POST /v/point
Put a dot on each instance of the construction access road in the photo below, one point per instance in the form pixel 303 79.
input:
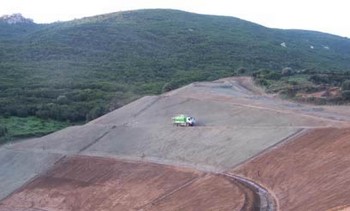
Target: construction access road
pixel 153 165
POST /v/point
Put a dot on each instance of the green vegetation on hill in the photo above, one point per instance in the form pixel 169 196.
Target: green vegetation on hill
pixel 22 127
pixel 78 70
pixel 306 86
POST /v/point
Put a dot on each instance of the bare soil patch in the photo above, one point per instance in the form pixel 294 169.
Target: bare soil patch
pixel 310 173
pixel 91 183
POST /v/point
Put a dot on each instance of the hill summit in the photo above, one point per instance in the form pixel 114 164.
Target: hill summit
pixel 15 18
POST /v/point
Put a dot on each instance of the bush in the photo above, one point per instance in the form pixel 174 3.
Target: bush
pixel 95 112
pixel 289 93
pixel 345 85
pixel 287 71
pixel 174 84
pixel 3 131
pixel 346 94
pixel 241 70
pixel 266 75
pixel 319 78
pixel 262 82
pixel 168 87
pixel 273 76
pixel 62 99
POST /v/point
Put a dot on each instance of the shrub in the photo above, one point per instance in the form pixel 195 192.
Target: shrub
pixel 3 131
pixel 319 78
pixel 345 85
pixel 273 76
pixel 346 94
pixel 62 99
pixel 287 71
pixel 262 82
pixel 168 87
pixel 95 112
pixel 241 70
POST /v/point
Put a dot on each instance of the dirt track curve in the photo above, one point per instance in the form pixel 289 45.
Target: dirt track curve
pixel 263 200
pixel 249 151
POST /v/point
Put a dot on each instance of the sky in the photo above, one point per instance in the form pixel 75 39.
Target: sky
pixel 330 16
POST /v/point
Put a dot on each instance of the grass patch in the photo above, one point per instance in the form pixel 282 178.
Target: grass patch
pixel 21 127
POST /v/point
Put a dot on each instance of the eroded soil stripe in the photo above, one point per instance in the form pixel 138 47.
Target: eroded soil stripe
pixel 160 198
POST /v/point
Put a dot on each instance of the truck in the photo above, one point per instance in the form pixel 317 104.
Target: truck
pixel 183 120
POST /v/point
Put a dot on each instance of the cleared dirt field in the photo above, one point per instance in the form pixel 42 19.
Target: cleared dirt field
pixel 309 173
pixel 226 111
pixel 91 183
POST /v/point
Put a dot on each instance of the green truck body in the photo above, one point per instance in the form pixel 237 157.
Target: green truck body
pixel 183 120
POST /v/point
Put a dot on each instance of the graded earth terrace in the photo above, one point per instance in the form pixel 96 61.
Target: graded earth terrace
pixel 248 151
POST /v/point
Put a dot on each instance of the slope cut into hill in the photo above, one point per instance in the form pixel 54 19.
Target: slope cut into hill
pixel 92 183
pixel 236 122
pixel 309 173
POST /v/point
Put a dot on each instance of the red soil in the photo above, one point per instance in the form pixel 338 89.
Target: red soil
pixel 206 193
pixel 91 183
pixel 310 173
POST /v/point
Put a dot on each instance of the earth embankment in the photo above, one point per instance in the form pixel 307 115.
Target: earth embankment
pixel 113 161
pixel 93 183
pixel 309 173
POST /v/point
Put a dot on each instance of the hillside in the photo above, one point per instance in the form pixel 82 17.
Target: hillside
pixel 248 151
pixel 317 165
pixel 78 70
